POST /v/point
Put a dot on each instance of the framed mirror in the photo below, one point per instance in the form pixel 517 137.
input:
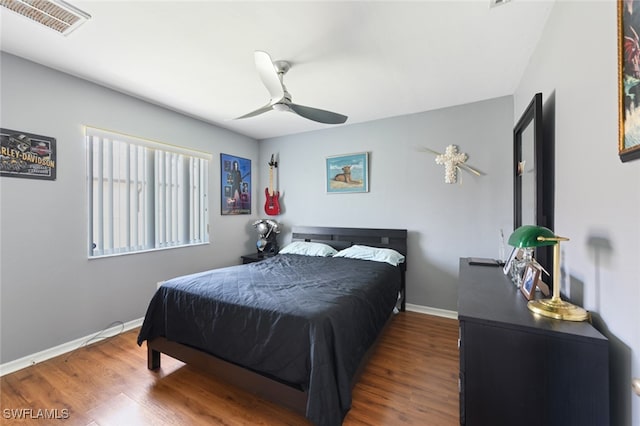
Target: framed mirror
pixel 533 176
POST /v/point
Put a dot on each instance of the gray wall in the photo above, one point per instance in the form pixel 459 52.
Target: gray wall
pixel 407 189
pixel 597 196
pixel 50 292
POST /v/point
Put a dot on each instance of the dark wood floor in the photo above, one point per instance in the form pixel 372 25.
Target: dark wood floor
pixel 412 378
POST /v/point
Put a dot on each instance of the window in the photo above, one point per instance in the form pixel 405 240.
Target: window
pixel 144 195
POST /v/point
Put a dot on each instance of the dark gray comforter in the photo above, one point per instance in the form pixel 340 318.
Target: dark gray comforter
pixel 304 320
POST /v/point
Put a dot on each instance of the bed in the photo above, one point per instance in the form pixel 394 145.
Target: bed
pixel 293 329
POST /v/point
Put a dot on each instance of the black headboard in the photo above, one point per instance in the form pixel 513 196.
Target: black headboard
pixel 341 238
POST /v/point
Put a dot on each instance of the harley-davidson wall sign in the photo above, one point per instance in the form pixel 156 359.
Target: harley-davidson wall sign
pixel 27 155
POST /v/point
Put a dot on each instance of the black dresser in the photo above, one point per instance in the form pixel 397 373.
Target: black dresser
pixel 519 369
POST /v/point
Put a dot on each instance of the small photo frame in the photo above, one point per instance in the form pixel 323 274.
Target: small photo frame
pixel 530 280
pixel 516 253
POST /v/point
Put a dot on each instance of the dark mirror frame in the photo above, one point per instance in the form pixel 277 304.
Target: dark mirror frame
pixel 544 177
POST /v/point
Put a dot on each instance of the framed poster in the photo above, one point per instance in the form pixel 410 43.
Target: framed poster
pixel 27 155
pixel 347 173
pixel 235 185
pixel 629 80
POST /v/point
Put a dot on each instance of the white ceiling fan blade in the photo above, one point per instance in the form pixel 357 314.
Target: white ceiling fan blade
pixel 268 107
pixel 268 75
pixel 318 115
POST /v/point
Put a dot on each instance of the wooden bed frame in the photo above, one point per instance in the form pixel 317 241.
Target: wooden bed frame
pixel 265 387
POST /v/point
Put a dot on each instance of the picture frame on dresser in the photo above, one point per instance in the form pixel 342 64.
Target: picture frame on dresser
pixel 516 253
pixel 530 281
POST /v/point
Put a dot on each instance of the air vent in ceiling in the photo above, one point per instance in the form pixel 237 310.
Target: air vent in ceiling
pixel 55 14
pixel 494 3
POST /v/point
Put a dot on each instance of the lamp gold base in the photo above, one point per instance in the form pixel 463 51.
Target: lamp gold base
pixel 558 309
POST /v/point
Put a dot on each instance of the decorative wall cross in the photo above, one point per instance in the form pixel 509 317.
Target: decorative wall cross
pixel 451 158
pixel 453 161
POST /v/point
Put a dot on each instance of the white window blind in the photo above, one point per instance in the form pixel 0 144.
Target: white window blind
pixel 144 195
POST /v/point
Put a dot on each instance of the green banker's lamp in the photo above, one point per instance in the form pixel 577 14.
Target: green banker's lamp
pixel 538 236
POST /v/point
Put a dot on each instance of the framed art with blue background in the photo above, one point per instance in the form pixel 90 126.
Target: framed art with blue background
pixel 235 185
pixel 347 173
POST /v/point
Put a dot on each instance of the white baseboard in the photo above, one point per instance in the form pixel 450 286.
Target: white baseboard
pixel 36 358
pixel 432 311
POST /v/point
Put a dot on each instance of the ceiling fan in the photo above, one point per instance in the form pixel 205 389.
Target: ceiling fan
pixel 271 74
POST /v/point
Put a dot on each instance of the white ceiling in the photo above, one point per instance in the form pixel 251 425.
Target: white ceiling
pixel 367 60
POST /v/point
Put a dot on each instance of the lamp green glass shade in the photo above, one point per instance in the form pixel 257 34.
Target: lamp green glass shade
pixel 538 236
pixel 532 236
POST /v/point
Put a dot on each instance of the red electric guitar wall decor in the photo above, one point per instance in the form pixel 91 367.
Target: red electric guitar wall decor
pixel 272 206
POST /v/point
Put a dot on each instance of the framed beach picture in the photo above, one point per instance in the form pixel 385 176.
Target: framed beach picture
pixel 629 80
pixel 347 173
pixel 235 185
